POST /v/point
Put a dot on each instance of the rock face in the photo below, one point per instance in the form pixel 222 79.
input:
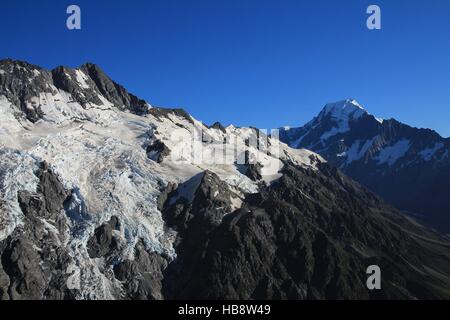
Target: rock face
pixel 114 92
pixel 287 244
pixel 157 151
pixel 142 277
pixel 408 167
pixel 111 216
pixel 219 126
pixel 34 260
pixel 103 242
pixel 22 83
pixel 166 112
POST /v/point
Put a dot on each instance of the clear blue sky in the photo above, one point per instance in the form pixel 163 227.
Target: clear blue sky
pixel 251 62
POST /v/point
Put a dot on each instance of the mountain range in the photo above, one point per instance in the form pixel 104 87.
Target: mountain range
pixel 408 167
pixel 104 196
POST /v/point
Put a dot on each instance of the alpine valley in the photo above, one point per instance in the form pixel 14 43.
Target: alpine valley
pixel 93 204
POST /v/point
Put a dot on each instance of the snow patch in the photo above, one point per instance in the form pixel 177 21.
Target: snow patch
pixel 16 174
pixel 427 154
pixel 356 151
pixel 342 128
pixel 342 113
pixel 81 79
pixel 391 154
pixel 98 152
pixel 344 110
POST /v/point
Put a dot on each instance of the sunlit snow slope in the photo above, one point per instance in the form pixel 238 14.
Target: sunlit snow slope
pixel 112 159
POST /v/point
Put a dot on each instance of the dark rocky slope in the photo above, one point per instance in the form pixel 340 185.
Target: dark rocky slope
pixel 309 236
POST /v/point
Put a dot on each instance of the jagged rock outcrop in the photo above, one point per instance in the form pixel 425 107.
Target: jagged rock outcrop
pixel 309 236
pixel 103 242
pixel 157 150
pixel 23 83
pixel 253 171
pixel 114 92
pixel 219 126
pixel 20 83
pixel 165 112
pixel 142 277
pixel 106 222
pixel 34 259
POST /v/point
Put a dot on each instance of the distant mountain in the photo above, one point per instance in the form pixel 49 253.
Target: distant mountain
pixel 408 167
pixel 101 198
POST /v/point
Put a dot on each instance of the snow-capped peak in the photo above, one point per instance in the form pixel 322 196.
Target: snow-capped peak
pixel 344 110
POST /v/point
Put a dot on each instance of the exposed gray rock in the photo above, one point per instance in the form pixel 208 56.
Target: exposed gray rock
pixel 4 283
pixel 142 277
pixel 165 194
pixel 65 78
pixel 22 82
pixel 212 200
pixel 157 151
pixel 219 126
pixel 33 258
pixel 311 235
pixel 114 92
pixel 103 243
pixel 164 112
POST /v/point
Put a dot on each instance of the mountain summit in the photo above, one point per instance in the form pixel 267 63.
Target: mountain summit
pixel 27 86
pixel 105 197
pixel 348 109
pixel 407 166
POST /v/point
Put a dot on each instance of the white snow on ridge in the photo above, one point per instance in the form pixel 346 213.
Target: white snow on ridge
pixel 343 127
pixel 356 151
pixel 10 127
pixel 60 109
pixel 342 113
pixel 16 174
pixel 99 152
pixel 391 154
pixel 81 79
pixel 428 153
pixel 344 110
pixel 100 155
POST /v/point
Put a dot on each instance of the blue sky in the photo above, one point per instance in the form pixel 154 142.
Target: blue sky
pixel 251 62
